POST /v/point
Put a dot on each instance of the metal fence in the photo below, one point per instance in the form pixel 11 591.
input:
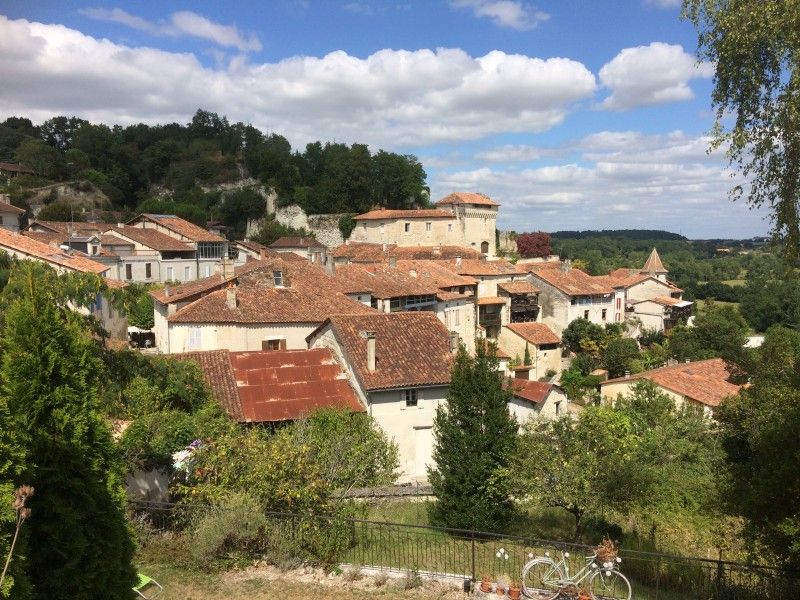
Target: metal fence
pixel 460 554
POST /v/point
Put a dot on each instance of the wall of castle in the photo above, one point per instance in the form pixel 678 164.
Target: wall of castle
pixel 421 232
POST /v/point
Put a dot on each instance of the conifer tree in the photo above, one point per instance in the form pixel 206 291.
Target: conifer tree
pixel 79 544
pixel 527 358
pixel 474 437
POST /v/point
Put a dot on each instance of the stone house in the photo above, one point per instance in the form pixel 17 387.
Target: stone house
pixel 9 214
pixel 699 385
pixel 364 252
pixel 662 313
pixel 536 399
pixel 305 247
pixel 544 346
pixel 460 219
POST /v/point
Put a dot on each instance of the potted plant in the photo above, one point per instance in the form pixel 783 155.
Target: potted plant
pixel 584 594
pixel 502 585
pixel 514 591
pixel 486 584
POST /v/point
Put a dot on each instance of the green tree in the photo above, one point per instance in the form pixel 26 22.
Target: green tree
pixel 759 436
pixel 575 464
pixel 527 356
pixel 474 440
pixel 754 46
pixel 619 354
pixel 720 332
pixel 42 159
pixel 49 380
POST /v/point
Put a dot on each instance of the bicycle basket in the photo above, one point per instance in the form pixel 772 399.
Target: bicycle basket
pixel 607 551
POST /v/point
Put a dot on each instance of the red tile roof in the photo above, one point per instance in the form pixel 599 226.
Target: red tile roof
pixel 653 264
pixel 50 238
pixel 382 281
pixel 367 252
pixel 535 333
pixel 14 168
pixel 296 242
pixel 532 391
pixel 152 238
pixel 180 226
pixel 412 348
pixel 571 281
pixel 467 198
pixel 491 300
pixel 10 208
pixel 67 227
pixel 705 381
pixel 422 213
pixel 480 267
pixel 41 251
pixel 275 385
pixel 518 287
pixel 434 272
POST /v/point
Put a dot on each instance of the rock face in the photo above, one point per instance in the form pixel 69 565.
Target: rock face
pixel 81 194
pixel 325 228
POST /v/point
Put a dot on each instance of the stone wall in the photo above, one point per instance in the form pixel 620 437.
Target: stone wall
pixel 325 228
pixel 508 241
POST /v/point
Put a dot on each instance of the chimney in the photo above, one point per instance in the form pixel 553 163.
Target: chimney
pixel 458 262
pixel 230 298
pixel 566 265
pixel 225 269
pixel 413 272
pixel 393 262
pixel 383 247
pixel 371 359
pixel 627 374
pixel 454 341
pixel 330 266
pixel 262 253
pixel 121 225
pixel 166 291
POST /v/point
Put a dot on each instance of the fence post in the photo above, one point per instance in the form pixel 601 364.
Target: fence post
pixel 473 557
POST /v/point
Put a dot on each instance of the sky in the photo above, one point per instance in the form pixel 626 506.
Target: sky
pixel 573 114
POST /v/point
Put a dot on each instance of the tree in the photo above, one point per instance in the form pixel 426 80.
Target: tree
pixel 578 332
pixel 42 159
pixel 567 463
pixel 474 440
pixel 49 382
pixel 535 244
pixel 720 332
pixel 527 357
pixel 754 46
pixel 619 354
pixel 759 436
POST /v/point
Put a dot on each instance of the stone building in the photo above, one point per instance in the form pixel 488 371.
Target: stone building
pixel 460 219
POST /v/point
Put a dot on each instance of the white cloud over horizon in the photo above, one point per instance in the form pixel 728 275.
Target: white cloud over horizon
pixel 647 75
pixel 181 23
pixel 504 13
pixel 392 96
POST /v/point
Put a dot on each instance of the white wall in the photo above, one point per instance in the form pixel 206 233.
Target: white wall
pixel 459 316
pixel 554 406
pixel 236 337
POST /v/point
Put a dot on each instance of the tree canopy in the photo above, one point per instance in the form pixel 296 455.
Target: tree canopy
pixel 754 46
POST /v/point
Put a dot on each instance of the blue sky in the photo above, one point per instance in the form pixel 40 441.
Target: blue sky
pixel 573 114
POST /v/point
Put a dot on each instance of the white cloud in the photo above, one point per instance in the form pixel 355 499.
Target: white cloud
pixel 504 13
pixel 181 23
pixel 664 3
pixel 616 180
pixel 652 74
pixel 395 98
pixel 510 153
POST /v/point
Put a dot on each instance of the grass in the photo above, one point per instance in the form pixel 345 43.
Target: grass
pixel 701 306
pixel 734 282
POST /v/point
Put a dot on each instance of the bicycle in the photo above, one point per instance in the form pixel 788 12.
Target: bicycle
pixel 543 575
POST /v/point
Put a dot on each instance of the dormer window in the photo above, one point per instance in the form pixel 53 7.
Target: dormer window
pixel 277 277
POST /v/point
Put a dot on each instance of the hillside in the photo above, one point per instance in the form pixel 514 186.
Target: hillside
pixel 628 234
pixel 208 169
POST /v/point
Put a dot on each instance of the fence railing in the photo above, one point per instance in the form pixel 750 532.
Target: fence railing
pixel 463 554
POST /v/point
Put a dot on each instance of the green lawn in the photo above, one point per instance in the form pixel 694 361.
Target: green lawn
pixel 735 282
pixel 701 306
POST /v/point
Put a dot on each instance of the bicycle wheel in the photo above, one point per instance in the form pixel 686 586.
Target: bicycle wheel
pixel 541 579
pixel 609 585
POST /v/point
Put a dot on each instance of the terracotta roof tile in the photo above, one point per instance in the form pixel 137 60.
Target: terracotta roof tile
pixel 533 391
pixel 152 238
pixel 296 242
pixel 480 267
pixel 41 251
pixel 10 208
pixel 705 381
pixel 14 168
pixel 422 213
pixel 467 198
pixel 486 300
pixel 382 281
pixel 653 264
pixel 215 365
pixel 535 333
pixel 180 226
pixel 434 272
pixel 412 348
pixel 572 282
pixel 67 227
pixel 50 238
pixel 367 252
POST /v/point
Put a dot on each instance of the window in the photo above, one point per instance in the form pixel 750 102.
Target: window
pixel 187 273
pixel 410 397
pixel 1 219
pixel 449 227
pixel 586 315
pixel 276 344
pixel 195 338
pixel 148 270
pixel 619 303
pixel 211 249
pixel 603 316
pixel 364 225
pixel 457 317
pixel 427 226
pixel 208 270
pixel 277 277
pixel 128 271
pixel 406 227
pixel 558 408
pixel 170 273
pixel 382 228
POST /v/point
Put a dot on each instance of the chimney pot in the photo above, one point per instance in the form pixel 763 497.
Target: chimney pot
pixel 458 261
pixel 371 351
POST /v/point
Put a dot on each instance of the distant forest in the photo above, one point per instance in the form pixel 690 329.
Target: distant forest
pixel 170 168
pixel 628 234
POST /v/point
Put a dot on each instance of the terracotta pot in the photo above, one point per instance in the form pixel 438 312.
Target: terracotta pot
pixel 500 590
pixel 486 585
pixel 584 596
pixel 514 592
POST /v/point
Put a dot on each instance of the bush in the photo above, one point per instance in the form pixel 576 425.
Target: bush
pixel 234 529
pixel 346 225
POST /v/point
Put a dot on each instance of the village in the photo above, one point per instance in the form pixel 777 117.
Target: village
pixel 372 324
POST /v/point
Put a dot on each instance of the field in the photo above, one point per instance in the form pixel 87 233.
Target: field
pixel 701 306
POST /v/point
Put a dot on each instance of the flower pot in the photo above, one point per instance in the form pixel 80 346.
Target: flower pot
pixel 486 585
pixel 584 596
pixel 500 590
pixel 514 592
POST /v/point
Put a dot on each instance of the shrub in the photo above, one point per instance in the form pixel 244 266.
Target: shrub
pixel 380 579
pixel 353 574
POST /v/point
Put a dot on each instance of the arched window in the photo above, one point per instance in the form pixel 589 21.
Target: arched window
pixel 484 247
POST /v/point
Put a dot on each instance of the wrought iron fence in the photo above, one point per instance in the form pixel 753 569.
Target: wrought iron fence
pixel 462 554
